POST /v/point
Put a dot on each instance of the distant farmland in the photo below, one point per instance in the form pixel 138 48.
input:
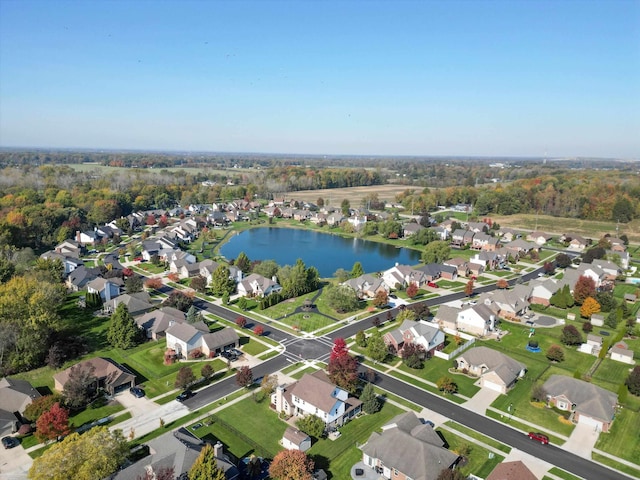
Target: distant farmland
pixel 335 196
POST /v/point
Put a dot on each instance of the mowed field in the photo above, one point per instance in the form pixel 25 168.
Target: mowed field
pixel 335 196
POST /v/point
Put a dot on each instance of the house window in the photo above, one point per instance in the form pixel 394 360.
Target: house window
pixel 562 405
pixel 395 472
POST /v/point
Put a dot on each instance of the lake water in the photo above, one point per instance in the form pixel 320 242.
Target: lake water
pixel 324 251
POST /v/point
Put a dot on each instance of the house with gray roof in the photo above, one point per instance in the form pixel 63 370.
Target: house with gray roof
pixel 109 375
pixel 107 288
pixel 255 285
pixel 447 317
pixel 425 334
pixel 403 275
pixel 367 285
pixel 15 396
pixel 407 448
pixel 178 449
pixel 478 319
pixel 432 271
pixel 294 439
pixel 314 394
pixel 496 370
pixel 588 403
pixel 621 352
pixel 188 340
pixel 137 303
pixel 156 322
pixel 79 277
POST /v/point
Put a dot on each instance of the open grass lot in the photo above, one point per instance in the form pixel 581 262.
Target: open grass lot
pixel 434 368
pixel 334 196
pixel 479 462
pixel 623 440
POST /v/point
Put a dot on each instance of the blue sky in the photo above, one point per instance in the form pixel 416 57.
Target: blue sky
pixel 500 78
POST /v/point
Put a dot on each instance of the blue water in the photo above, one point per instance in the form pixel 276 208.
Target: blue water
pixel 324 251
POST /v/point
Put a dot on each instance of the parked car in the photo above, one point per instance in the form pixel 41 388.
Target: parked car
pixel 187 394
pixel 433 285
pixel 137 392
pixel 393 296
pixel 229 355
pixel 137 259
pixel 539 437
pixel 10 442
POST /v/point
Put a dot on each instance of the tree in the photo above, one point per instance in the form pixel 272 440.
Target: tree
pixel 95 454
pixel 242 303
pixel 502 284
pixel 343 372
pixel 184 378
pixel 381 299
pixel 206 467
pixel 266 268
pixel 555 353
pixel 571 335
pixel 447 385
pixel 377 350
pixel 193 315
pixel 345 206
pixel 241 322
pixel 311 425
pixel 40 405
pixel 342 275
pixel 158 473
pixel 291 465
pixel 369 399
pixel 589 307
pixel 357 270
pixel 339 349
pixel 133 284
pixel 53 423
pixel 538 393
pixel 585 287
pixel 606 300
pixel 633 381
pixel 221 281
pixel 153 283
pixel 243 263
pixel 587 327
pixel 623 210
pixel 254 467
pixel 436 252
pixel 123 330
pixel 449 474
pixel 412 290
pixel 258 330
pixel 269 383
pixel 244 376
pixel 563 260
pixel 180 300
pixel 361 339
pixel 468 288
pixel 413 355
pixel 207 370
pixel 80 386
pixel 342 298
pixel 199 284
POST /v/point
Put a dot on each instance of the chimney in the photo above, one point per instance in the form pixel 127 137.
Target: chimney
pixel 78 237
pixel 217 450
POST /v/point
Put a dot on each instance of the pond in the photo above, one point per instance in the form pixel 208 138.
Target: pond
pixel 324 251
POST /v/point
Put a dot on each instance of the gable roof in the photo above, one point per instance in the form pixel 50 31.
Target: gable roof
pixel 157 321
pixel 589 399
pixel 103 368
pixel 220 338
pixel 16 394
pixel 511 471
pixel 504 366
pixel 317 390
pixel 183 332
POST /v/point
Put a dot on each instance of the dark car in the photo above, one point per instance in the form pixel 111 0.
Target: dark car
pixel 184 395
pixel 10 442
pixel 137 392
pixel 539 437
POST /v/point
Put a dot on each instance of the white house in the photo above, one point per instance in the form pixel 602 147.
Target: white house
pixel 620 352
pixel 404 276
pixel 478 319
pixel 255 285
pixel 294 439
pixel 187 340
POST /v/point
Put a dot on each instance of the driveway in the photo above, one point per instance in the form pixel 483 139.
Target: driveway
pixel 14 463
pixel 481 400
pixel 136 406
pixel 582 440
pixel 150 420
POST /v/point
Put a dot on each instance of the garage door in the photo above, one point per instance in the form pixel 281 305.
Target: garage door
pixel 492 386
pixel 584 420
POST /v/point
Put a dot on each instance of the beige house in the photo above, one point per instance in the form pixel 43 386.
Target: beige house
pixel 496 370
pixel 109 374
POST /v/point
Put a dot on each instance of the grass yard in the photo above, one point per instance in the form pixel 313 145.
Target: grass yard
pixel 623 440
pixel 558 472
pixel 632 472
pixel 479 462
pixel 448 284
pixel 434 368
pixel 479 436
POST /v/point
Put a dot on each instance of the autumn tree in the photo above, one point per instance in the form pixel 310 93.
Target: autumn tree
pixel 381 299
pixel 180 300
pixel 241 322
pixel 258 330
pixel 40 405
pixel 154 283
pixel 291 465
pixel 207 370
pixel 555 353
pixel 123 330
pixel 571 335
pixel 369 399
pixel 158 473
pixel 338 349
pixel 206 467
pixel 53 423
pixel 343 371
pixel 449 474
pixel 468 288
pixel 244 376
pixel 563 260
pixel 184 378
pixel 447 385
pixel 502 284
pixel 589 307
pixel 584 288
pixel 95 454
pixel 199 284
pixel 413 355
pixel 412 290
pixel 80 386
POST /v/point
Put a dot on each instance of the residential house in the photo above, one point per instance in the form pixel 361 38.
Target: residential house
pixel 411 228
pixel 576 242
pixel 255 285
pixel 357 221
pixel 15 396
pixel 69 262
pixel 539 238
pixel 588 403
pixel 190 341
pixel 484 241
pixel 407 448
pixel 592 346
pixel 611 269
pixel 69 248
pixel 571 275
pixel 509 304
pixel 477 319
pixel 442 232
pixel 621 352
pixel 137 303
pixel 515 470
pixel 447 317
pixel 88 237
pixel 403 275
pixel 478 227
pixel 314 394
pixel 206 269
pixel 617 245
pixel 367 285
pixel 475 269
pixel 432 271
pixel 597 319
pixel 294 439
pixel 334 219
pixel 542 289
pixel 458 238
pixel 79 278
pixel 521 247
pixel 448 272
pixel 460 264
pixel 496 370
pixel 107 288
pixel 425 334
pixel 109 374
pixel 509 234
pixel 178 450
pixel 156 322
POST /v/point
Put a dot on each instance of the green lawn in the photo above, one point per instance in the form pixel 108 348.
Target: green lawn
pixel 434 368
pixel 623 440
pixel 479 436
pixel 562 474
pixel 479 461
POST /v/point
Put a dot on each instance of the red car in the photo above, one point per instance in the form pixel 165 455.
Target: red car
pixel 137 259
pixel 539 437
pixel 432 285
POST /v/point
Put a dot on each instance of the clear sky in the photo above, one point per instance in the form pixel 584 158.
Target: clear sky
pixel 486 78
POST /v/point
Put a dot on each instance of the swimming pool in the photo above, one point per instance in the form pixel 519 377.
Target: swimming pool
pixel 635 281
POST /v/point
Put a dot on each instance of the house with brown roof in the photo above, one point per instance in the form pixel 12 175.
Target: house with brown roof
pixel 314 394
pixel 407 448
pixel 496 370
pixel 156 322
pixel 512 471
pixel 109 374
pixel 294 439
pixel 15 396
pixel 588 403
